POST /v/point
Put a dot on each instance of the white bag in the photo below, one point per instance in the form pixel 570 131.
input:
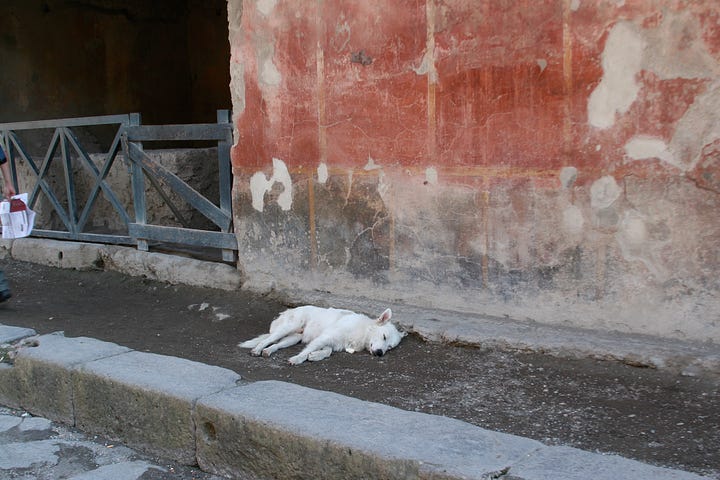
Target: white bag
pixel 17 218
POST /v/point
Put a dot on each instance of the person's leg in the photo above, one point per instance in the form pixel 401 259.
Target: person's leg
pixel 4 287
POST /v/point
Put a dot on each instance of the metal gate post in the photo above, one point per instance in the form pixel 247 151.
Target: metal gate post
pixel 225 180
pixel 138 184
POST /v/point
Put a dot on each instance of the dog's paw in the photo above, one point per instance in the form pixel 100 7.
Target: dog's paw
pixel 267 352
pixel 255 352
pixel 297 359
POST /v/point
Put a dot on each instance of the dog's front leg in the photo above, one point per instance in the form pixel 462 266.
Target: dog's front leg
pixel 318 344
pixel 320 354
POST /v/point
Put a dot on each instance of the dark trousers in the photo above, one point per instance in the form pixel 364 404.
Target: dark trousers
pixel 4 285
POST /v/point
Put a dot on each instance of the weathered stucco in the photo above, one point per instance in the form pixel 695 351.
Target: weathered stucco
pixel 551 160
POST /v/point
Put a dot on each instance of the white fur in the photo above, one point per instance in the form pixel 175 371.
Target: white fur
pixel 326 330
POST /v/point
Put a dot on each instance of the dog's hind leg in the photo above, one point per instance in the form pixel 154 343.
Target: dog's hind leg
pixel 274 337
pixel 254 341
pixel 320 354
pixel 288 341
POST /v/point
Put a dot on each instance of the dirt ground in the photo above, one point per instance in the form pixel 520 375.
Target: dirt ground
pixel 649 415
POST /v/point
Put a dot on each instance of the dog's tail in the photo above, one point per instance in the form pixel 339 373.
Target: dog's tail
pixel 252 343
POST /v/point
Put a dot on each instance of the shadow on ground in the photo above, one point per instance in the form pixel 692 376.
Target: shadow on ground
pixel 648 415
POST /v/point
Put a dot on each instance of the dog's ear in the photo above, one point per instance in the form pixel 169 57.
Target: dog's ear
pixel 385 317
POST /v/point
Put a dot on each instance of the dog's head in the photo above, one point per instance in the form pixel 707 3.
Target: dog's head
pixel 384 335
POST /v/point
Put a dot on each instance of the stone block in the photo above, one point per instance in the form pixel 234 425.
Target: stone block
pixel 9 334
pixel 146 400
pixel 44 373
pixel 56 253
pixel 9 387
pixel 172 269
pixel 573 464
pixel 280 430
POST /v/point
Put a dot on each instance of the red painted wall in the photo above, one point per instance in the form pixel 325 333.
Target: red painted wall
pixel 445 126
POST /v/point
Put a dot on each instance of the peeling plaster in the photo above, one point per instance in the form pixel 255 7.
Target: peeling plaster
pixel 383 186
pixel 644 147
pixel 542 63
pixel 266 6
pixel 371 165
pixel 431 175
pixel 604 192
pixel 568 175
pixel 427 65
pixel 573 220
pixel 260 185
pixel 270 75
pixel 618 89
pixel 632 238
pixel 322 173
pixel 575 5
pixel 237 91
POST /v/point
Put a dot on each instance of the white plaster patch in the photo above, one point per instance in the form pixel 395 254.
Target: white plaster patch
pixel 322 173
pixel 618 89
pixel 568 175
pixel 573 220
pixel 266 6
pixel 383 185
pixel 575 5
pixel 371 165
pixel 542 63
pixel 260 185
pixel 634 242
pixel 269 74
pixel 604 192
pixel 424 66
pixel 237 90
pixel 643 147
pixel 633 229
pixel 431 175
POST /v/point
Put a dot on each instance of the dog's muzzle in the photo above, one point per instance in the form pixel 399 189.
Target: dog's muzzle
pixel 378 353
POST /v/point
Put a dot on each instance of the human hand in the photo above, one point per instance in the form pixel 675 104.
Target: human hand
pixel 9 189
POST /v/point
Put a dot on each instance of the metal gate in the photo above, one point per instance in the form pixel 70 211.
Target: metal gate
pixel 129 136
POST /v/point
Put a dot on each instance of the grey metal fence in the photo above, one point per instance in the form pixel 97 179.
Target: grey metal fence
pixel 74 212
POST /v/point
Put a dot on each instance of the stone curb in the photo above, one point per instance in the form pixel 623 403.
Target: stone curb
pixel 196 413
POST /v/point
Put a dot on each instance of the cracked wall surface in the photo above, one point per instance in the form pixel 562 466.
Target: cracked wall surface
pixel 559 163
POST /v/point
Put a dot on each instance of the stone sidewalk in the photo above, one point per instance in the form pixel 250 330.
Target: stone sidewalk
pixel 36 448
pixel 686 358
pixel 194 413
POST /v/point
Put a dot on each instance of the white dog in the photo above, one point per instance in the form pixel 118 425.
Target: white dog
pixel 326 330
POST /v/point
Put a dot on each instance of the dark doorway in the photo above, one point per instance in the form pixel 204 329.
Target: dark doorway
pixel 166 59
